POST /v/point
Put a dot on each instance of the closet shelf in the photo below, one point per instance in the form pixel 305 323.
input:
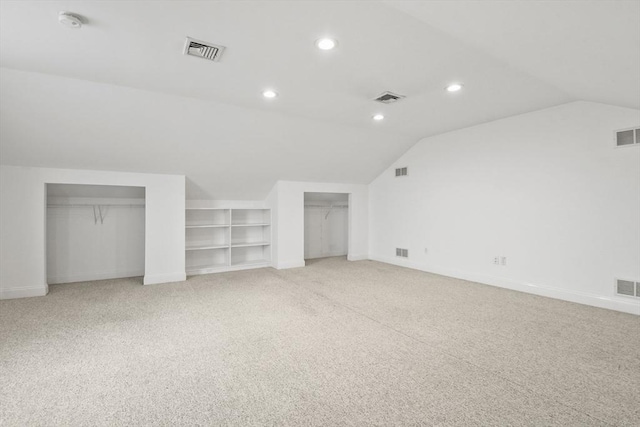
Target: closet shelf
pixel 251 225
pixel 207 268
pixel 205 247
pixel 87 205
pixel 247 244
pixel 255 262
pixel 207 209
pixel 207 226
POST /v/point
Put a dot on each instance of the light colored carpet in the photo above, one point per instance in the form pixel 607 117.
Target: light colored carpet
pixel 335 343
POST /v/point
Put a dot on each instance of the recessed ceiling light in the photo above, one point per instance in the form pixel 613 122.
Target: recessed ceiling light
pixel 269 94
pixel 454 87
pixel 378 117
pixel 326 44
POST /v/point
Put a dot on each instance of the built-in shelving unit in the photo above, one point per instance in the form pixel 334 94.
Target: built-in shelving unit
pixel 219 239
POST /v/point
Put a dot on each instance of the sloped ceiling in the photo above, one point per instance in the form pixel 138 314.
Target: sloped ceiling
pixel 588 49
pixel 119 95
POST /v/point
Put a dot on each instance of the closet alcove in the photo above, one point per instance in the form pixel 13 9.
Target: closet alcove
pixel 326 225
pixel 94 232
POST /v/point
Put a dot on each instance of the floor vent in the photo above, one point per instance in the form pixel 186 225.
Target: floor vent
pixel 203 50
pixel 401 172
pixel 404 253
pixel 627 137
pixel 628 288
pixel 388 97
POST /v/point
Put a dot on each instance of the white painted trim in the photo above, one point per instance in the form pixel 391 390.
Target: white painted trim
pixel 228 268
pixel 585 298
pixel 328 255
pixel 358 257
pixel 289 264
pixel 94 276
pixel 33 291
pixel 164 278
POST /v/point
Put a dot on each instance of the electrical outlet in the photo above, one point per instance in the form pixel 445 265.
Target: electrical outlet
pixel 425 251
pixel 496 260
pixel 503 260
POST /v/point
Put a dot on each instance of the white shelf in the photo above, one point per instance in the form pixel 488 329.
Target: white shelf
pixel 248 230
pixel 205 247
pixel 258 262
pixel 204 269
pixel 248 244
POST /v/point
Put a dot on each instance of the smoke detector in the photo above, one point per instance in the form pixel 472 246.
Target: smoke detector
pixel 204 50
pixel 388 97
pixel 70 20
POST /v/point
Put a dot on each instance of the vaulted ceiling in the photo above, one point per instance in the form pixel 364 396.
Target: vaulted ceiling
pixel 118 94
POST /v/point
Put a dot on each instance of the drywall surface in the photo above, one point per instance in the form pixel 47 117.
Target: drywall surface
pixel 326 225
pixel 226 151
pixel 325 231
pixel 547 191
pixel 287 203
pixel 94 238
pixel 226 204
pixel 272 202
pixel 23 224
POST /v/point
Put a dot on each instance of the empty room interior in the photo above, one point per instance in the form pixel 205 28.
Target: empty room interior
pixel 320 213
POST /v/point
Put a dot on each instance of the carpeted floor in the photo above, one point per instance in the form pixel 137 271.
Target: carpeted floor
pixel 335 343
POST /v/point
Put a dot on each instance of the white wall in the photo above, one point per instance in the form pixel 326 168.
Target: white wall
pixel 326 221
pixel 287 204
pixel 23 218
pixel 81 246
pixel 325 231
pixel 547 190
pixel 272 202
pixel 226 204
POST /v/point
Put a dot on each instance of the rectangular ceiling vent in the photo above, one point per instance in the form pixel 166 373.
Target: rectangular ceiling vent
pixel 404 253
pixel 627 137
pixel 628 288
pixel 203 50
pixel 401 172
pixel 388 97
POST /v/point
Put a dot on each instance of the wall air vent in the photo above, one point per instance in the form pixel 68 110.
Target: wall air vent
pixel 627 137
pixel 404 253
pixel 628 288
pixel 401 172
pixel 388 97
pixel 203 50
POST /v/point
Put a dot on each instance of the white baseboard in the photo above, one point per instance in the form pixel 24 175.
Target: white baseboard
pixel 154 279
pixel 357 257
pixel 87 277
pixel 32 291
pixel 327 255
pixel 289 264
pixel 227 268
pixel 610 303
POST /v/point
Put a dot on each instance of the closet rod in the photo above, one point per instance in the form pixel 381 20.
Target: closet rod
pixel 94 204
pixel 324 206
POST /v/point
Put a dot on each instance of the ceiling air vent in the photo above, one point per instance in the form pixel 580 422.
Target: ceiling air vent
pixel 627 288
pixel 203 50
pixel 627 137
pixel 388 97
pixel 401 172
